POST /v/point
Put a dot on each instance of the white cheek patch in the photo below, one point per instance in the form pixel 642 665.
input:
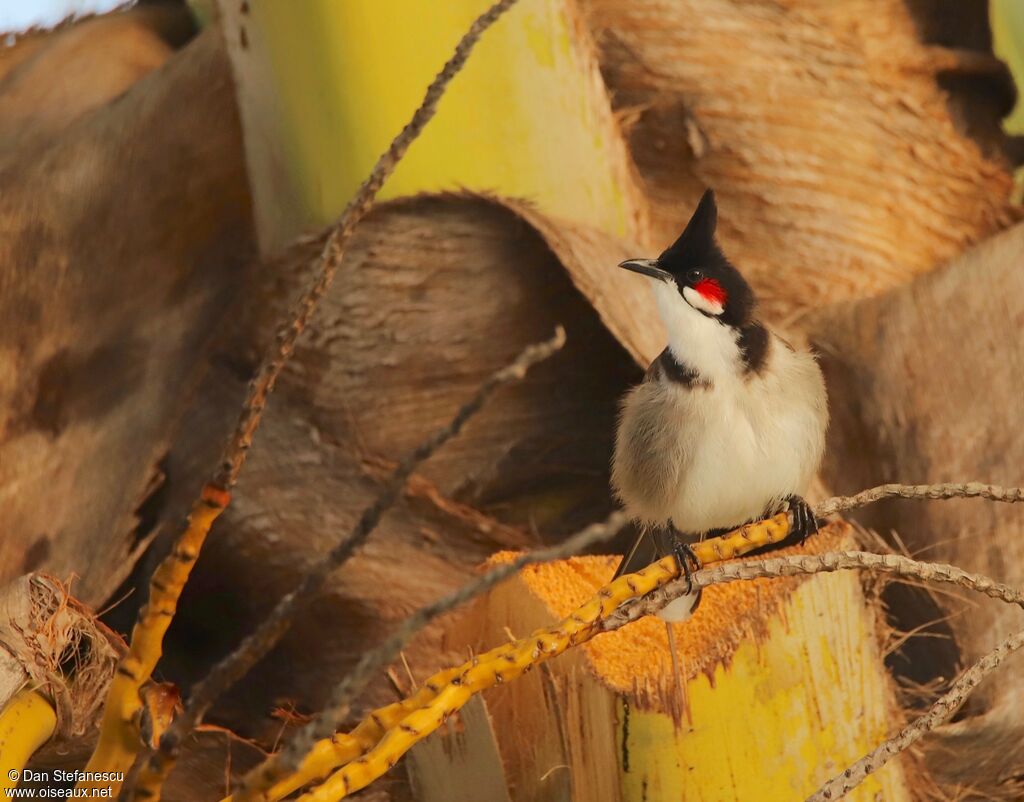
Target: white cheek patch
pixel 698 301
pixel 697 339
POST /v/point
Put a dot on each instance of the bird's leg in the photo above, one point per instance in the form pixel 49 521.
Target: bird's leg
pixel 803 520
pixel 687 561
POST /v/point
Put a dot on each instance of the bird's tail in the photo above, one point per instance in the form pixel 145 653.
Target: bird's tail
pixel 643 553
pixel 680 609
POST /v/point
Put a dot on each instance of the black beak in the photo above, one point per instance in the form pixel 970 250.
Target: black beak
pixel 647 267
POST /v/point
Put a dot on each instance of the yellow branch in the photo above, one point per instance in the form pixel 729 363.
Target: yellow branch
pixel 389 732
pixel 26 723
pixel 330 753
pixel 120 739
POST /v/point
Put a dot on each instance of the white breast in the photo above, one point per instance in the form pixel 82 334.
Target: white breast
pixel 761 440
pixel 725 454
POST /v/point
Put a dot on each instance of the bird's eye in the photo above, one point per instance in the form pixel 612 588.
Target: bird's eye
pixel 693 276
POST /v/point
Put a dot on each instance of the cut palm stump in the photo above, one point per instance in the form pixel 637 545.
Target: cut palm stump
pixel 779 685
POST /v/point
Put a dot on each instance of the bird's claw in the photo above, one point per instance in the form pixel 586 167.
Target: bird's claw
pixel 803 522
pixel 687 560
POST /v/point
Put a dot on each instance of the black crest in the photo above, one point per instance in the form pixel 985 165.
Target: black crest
pixel 697 242
pixel 698 249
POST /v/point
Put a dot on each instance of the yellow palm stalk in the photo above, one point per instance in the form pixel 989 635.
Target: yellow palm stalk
pixel 26 723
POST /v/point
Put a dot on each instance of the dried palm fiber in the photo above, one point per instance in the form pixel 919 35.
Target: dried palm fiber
pixel 762 662
pixel 112 283
pixel 50 642
pixel 926 381
pixel 839 167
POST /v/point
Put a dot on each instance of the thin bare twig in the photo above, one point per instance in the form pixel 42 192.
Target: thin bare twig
pixel 943 708
pixel 331 717
pixel 802 564
pixel 1010 495
pixel 233 667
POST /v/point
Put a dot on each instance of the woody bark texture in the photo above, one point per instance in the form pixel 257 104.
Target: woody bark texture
pixel 112 280
pixel 822 128
pixel 434 292
pixel 926 382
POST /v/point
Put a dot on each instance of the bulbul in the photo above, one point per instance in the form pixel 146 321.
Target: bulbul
pixel 728 425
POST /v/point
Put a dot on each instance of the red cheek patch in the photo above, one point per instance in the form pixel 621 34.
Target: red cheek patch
pixel 711 291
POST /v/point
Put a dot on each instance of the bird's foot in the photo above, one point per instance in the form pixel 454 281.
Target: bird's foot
pixel 802 520
pixel 688 562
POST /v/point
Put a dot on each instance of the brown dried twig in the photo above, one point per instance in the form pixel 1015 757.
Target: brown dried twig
pixel 889 563
pixel 805 564
pixel 1009 495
